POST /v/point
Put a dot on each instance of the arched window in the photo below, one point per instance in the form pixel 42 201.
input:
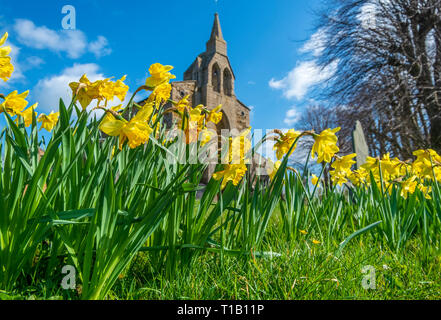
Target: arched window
pixel 228 83
pixel 215 78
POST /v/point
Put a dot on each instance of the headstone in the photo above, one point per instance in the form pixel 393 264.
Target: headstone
pixel 359 144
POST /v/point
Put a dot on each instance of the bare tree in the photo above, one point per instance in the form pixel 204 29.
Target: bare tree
pixel 389 70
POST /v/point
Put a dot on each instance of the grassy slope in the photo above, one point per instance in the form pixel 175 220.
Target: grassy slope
pixel 302 271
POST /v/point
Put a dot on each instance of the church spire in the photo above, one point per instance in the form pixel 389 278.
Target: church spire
pixel 216 44
pixel 216 31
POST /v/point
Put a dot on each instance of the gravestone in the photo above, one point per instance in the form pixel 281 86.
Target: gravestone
pixel 359 144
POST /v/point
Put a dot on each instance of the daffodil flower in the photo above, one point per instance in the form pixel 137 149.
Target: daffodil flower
pixel 231 172
pixel 101 90
pixel 158 75
pixel 160 94
pixel 27 114
pixel 136 131
pixel 285 142
pixel 6 67
pixel 273 168
pixel 325 145
pixel 314 180
pixel 215 115
pixel 14 103
pixel 48 122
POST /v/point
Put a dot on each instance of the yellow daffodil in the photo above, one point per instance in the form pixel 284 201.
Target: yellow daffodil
pixel 338 177
pixel 239 148
pixel 390 168
pixel 273 168
pixel 358 176
pixel 161 93
pixel 315 241
pixel 193 124
pixel 371 164
pixel 284 143
pixel 6 67
pixel 215 115
pixel 85 90
pixel 231 172
pixel 426 161
pixel 325 145
pixel 344 164
pixel 158 75
pixel 426 191
pixel 101 90
pixel 206 136
pixel 136 131
pixel 48 122
pixel 27 114
pixel 408 186
pixel 108 90
pixel 304 232
pixel 182 104
pixel 314 179
pixel 4 50
pixel 14 103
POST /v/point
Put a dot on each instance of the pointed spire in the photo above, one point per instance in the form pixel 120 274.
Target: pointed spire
pixel 217 42
pixel 216 32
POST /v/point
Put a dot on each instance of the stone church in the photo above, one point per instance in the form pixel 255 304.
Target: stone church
pixel 210 81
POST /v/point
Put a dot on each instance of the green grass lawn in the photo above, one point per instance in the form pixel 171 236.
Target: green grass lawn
pixel 302 271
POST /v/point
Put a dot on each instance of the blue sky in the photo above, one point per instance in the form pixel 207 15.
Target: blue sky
pixel 267 45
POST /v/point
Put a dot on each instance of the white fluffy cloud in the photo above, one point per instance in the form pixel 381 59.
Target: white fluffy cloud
pixel 315 44
pixel 300 79
pixel 34 62
pixel 100 47
pixel 292 116
pixel 72 42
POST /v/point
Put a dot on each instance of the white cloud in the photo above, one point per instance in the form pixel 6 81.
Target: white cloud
pixel 315 44
pixel 100 47
pixel 72 42
pixel 34 62
pixel 292 116
pixel 300 79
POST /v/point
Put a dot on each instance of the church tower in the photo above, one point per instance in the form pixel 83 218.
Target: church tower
pixel 210 81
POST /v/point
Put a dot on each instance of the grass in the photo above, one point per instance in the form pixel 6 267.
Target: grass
pixel 302 271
